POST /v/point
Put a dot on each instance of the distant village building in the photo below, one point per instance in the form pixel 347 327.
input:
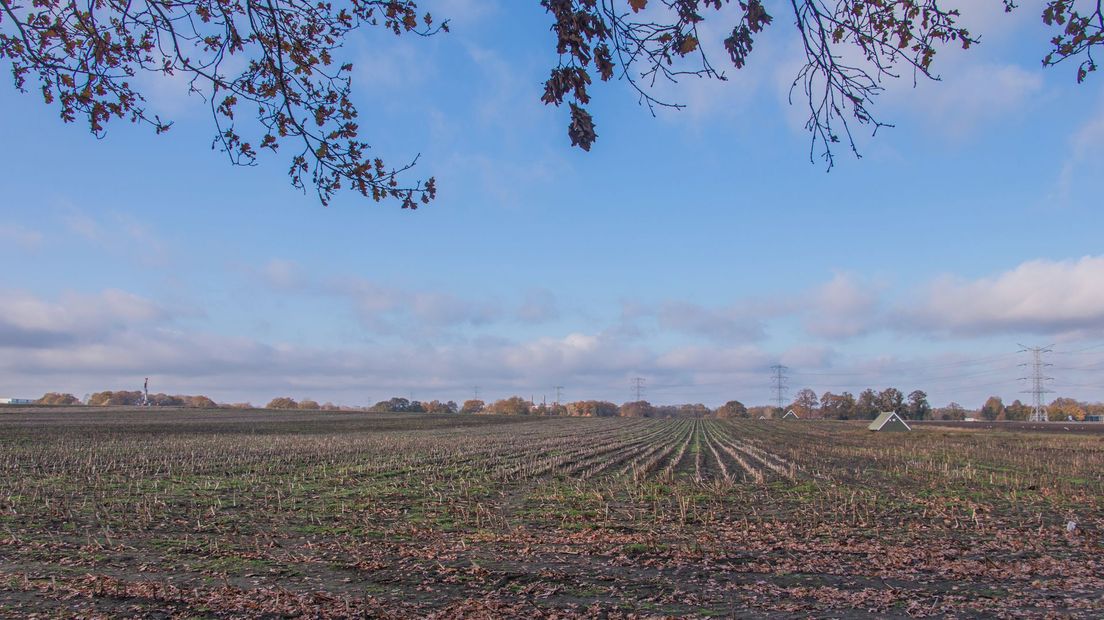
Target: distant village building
pixel 790 415
pixel 16 401
pixel 889 421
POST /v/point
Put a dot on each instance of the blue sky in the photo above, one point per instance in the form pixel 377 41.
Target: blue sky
pixel 693 249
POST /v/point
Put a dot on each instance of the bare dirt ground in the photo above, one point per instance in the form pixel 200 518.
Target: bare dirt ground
pixel 229 514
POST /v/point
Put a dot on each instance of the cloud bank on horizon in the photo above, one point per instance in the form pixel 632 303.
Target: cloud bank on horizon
pixel 439 345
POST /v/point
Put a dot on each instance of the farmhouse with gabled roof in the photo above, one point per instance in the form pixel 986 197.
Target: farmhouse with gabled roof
pixel 889 421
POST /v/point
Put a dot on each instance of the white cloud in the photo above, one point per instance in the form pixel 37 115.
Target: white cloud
pixel 971 95
pixel 25 238
pixel 1083 160
pixel 1039 296
pixel 118 233
pixel 1052 297
pixel 402 311
pixel 388 310
pixel 393 66
pixel 411 314
pixel 111 340
pixel 972 92
pixel 448 309
pixel 1089 137
pixel 171 96
pixel 733 323
pixel 844 307
pixel 30 321
pixel 505 92
pixel 508 182
pixel 80 224
pixel 538 306
pixel 709 100
pixel 989 20
pixel 553 355
pixel 807 356
pixel 692 359
pixel 283 274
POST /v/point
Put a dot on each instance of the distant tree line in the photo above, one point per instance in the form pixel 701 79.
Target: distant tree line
pixel 286 402
pixel 806 404
pixel 57 398
pixel 1059 409
pixel 123 398
pixel 870 403
pixel 516 405
pixel 402 405
pixel 867 406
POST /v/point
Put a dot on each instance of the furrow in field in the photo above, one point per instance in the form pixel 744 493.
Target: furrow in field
pixel 715 458
pixel 741 460
pixel 763 445
pixel 598 463
pixel 698 450
pixel 643 464
pixel 672 466
pixel 514 461
pixel 749 455
pixel 578 459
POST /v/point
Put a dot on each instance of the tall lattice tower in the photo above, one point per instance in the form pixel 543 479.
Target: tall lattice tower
pixel 778 384
pixel 1037 381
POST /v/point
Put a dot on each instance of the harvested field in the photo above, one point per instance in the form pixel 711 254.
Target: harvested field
pixel 242 514
pixel 1085 428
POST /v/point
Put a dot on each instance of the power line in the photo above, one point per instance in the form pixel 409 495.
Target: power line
pixel 967 380
pixel 973 387
pixel 1084 350
pixel 921 378
pixel 906 367
pixel 778 379
pixel 724 382
pixel 884 373
pixel 1092 366
pixel 1080 385
pixel 1038 381
pixel 968 385
pixel 638 388
pixel 980 373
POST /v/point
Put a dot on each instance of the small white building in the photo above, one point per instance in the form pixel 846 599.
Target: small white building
pixel 16 401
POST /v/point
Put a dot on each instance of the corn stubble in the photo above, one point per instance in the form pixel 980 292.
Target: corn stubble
pixel 239 514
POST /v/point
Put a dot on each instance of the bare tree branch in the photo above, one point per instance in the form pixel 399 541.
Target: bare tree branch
pixel 84 56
